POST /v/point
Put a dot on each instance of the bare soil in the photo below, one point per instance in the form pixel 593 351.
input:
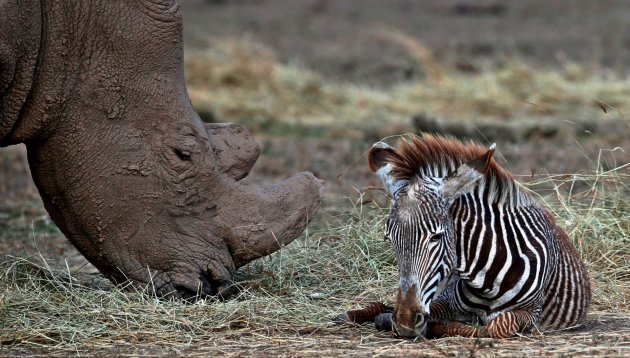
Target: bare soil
pixel 604 334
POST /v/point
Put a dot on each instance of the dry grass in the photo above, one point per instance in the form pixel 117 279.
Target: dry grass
pixel 288 299
pixel 243 82
pixel 595 210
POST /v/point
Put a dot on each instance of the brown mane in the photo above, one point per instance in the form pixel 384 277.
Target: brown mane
pixel 437 155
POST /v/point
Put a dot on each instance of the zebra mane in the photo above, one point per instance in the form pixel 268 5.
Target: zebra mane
pixel 438 156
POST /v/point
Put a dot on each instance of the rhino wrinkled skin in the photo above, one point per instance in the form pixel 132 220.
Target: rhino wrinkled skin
pixel 125 167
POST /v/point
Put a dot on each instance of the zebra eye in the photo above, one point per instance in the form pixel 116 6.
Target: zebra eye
pixel 436 237
pixel 386 238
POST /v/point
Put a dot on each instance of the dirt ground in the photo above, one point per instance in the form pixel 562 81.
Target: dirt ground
pixel 604 334
pixel 344 40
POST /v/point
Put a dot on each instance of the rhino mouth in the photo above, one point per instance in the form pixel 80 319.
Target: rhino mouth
pixel 207 286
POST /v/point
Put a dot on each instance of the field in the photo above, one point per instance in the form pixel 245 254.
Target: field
pixel 316 97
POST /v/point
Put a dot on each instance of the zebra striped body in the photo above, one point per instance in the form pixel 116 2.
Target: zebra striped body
pixel 472 246
pixel 515 258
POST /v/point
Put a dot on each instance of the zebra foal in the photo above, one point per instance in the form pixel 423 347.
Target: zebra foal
pixel 472 246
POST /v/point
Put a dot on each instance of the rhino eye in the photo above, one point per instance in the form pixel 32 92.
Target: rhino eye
pixel 182 154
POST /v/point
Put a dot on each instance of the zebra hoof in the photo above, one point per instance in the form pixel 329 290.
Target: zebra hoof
pixel 341 319
pixel 383 322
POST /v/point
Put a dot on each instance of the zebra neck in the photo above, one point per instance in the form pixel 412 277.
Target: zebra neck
pixel 479 223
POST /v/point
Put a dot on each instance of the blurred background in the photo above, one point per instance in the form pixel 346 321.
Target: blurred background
pixel 319 81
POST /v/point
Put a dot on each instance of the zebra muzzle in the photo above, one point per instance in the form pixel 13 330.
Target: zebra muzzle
pixel 409 318
pixel 413 326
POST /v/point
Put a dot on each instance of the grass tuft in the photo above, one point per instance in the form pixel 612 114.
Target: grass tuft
pixel 594 210
pixel 287 300
pixel 240 81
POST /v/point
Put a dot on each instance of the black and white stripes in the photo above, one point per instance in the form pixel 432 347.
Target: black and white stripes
pixel 469 240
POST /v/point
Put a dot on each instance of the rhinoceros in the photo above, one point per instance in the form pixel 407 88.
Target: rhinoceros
pixel 144 189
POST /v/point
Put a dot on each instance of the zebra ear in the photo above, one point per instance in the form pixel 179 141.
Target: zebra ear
pixel 462 179
pixel 380 157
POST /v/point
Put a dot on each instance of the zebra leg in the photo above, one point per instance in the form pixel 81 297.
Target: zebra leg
pixel 443 322
pixel 383 322
pixel 439 323
pixel 367 314
pixel 441 310
pixel 506 324
pixel 453 329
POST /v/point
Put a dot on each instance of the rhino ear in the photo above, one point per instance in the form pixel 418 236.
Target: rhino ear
pixel 462 179
pixel 380 159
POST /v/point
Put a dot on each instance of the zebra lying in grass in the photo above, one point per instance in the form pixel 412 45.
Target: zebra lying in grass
pixel 472 246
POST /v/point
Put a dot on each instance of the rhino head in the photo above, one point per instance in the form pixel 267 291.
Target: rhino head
pixel 135 180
